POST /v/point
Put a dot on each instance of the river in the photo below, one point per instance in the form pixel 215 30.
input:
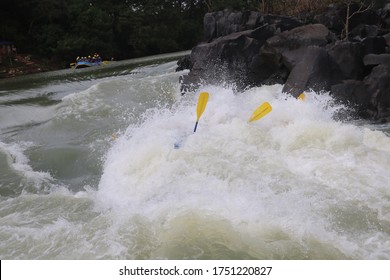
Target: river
pixel 88 170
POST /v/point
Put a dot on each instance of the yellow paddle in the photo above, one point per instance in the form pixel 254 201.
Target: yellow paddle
pixel 202 102
pixel 261 111
pixel 301 96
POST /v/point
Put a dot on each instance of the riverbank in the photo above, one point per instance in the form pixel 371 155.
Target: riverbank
pixel 23 64
pixel 111 68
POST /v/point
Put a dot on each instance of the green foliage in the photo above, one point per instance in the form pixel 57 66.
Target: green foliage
pixel 64 29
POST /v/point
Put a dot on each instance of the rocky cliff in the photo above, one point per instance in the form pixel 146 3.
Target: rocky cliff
pixel 253 49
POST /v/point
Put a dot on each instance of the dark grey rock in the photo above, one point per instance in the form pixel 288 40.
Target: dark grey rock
pixel 251 49
pixel 347 61
pixel 376 59
pixel 374 45
pixel 364 30
pixel 352 92
pixel 184 63
pixel 378 85
pixel 355 95
pixel 288 47
pixel 311 72
pixel 222 23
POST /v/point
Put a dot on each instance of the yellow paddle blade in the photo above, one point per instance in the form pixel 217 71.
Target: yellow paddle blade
pixel 202 102
pixel 301 96
pixel 260 112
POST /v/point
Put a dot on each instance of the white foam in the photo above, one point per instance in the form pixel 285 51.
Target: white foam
pixel 288 169
pixel 19 163
pixel 228 161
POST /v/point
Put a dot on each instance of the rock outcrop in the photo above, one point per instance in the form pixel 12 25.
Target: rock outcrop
pixel 253 49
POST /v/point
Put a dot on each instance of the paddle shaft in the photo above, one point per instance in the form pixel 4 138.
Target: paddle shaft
pixel 196 125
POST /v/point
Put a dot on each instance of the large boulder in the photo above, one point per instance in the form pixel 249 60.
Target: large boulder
pixel 374 45
pixel 282 23
pixel 222 23
pixel 376 59
pixel 209 27
pixel 233 58
pixel 347 61
pixel 370 97
pixel 333 18
pixel 364 30
pixel 184 63
pixel 311 72
pixel 288 47
pixel 224 59
pixel 355 95
pixel 378 84
pixel 353 92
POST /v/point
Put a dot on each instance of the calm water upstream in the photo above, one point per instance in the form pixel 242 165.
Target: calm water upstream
pixel 88 171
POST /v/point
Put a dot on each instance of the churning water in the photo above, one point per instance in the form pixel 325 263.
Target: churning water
pixel 88 170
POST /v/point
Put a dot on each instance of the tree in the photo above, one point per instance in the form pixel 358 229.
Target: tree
pixel 361 8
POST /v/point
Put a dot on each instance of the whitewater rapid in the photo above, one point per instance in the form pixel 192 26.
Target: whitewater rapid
pixel 297 184
pixel 294 184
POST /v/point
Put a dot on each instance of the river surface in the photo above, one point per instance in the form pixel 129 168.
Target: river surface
pixel 88 170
